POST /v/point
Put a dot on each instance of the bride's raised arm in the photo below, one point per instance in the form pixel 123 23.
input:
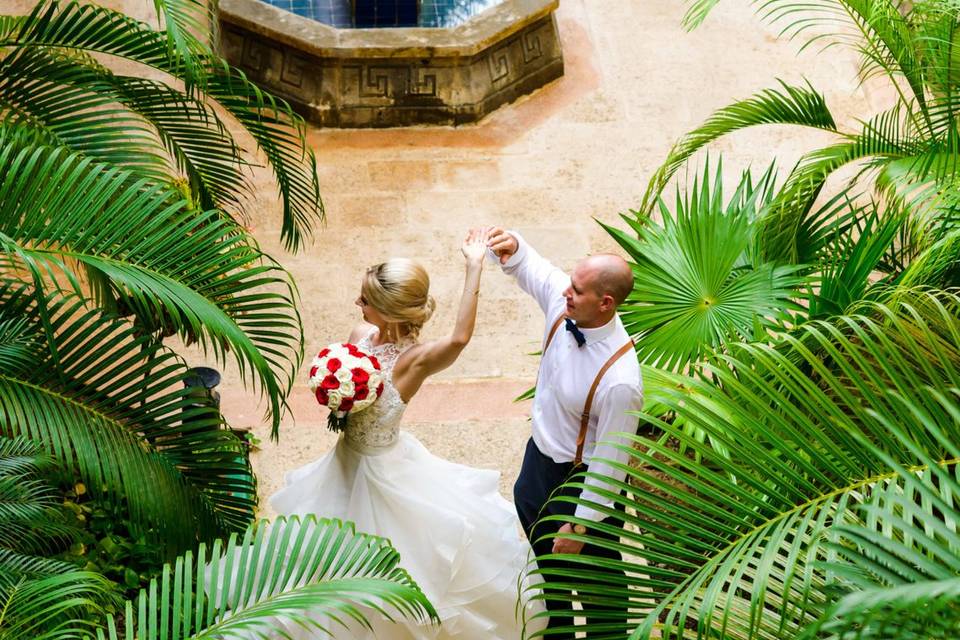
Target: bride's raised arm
pixel 437 355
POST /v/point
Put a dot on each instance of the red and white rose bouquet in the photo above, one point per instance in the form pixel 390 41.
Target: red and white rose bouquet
pixel 345 379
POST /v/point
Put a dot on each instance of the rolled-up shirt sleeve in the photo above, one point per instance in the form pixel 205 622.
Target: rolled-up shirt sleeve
pixel 613 419
pixel 537 276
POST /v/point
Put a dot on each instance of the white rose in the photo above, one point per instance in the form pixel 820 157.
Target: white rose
pixel 334 398
pixel 347 389
pixel 343 375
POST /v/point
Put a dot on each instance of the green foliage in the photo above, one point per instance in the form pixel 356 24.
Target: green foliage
pixel 109 404
pixel 118 204
pixel 698 282
pixel 815 434
pixel 106 542
pixel 800 482
pixel 313 574
pixel 52 85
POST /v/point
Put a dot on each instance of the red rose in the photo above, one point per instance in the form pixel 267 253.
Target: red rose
pixel 313 371
pixel 380 390
pixel 323 353
pixel 346 404
pixel 352 350
pixel 322 396
pixel 333 364
pixel 330 383
pixel 360 376
pixel 376 363
pixel 360 392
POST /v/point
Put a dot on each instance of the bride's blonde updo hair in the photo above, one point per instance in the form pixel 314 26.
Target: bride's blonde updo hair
pixel 399 289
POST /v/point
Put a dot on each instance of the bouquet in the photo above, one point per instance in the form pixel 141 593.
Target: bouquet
pixel 345 379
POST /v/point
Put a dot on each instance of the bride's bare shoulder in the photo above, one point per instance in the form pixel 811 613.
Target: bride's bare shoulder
pixel 360 331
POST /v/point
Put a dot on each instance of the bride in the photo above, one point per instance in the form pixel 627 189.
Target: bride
pixel 457 536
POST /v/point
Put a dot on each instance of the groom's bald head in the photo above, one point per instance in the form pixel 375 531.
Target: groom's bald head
pixel 608 274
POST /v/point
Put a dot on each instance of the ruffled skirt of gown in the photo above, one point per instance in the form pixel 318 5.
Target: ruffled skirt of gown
pixel 457 536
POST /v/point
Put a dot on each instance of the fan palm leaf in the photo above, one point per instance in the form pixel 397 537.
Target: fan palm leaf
pixel 729 544
pixel 696 284
pixel 113 407
pixel 139 245
pixel 36 48
pixel 311 574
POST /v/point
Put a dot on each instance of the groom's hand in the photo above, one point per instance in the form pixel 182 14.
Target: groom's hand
pixel 502 244
pixel 563 545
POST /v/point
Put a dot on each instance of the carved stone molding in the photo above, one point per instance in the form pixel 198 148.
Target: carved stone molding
pixel 395 77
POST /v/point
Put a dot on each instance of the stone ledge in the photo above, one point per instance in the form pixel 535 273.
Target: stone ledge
pixel 324 41
pixel 395 77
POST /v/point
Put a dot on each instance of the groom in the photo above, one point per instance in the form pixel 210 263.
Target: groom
pixel 584 306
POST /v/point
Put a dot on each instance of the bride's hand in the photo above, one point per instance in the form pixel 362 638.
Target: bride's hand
pixel 475 245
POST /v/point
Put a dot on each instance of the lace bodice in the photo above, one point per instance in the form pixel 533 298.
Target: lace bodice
pixel 378 426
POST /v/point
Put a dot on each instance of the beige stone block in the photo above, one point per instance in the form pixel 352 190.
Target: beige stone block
pixel 366 210
pixel 475 176
pixel 400 175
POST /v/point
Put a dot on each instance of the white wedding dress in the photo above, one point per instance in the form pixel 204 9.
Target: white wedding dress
pixel 457 536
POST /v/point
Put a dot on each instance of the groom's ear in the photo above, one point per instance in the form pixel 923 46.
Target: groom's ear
pixel 607 302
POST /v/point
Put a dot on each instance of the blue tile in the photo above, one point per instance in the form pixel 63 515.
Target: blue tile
pixel 386 13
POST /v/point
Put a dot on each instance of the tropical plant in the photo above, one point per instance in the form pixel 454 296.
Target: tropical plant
pixel 53 85
pixel 116 197
pixel 830 497
pixel 698 280
pixel 318 575
pixel 910 149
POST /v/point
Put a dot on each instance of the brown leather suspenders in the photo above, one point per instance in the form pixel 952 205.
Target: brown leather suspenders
pixel 585 416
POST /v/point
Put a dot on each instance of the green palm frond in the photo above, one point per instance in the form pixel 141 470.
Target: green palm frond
pixel 875 28
pixel 58 607
pixel 113 408
pixel 317 575
pixel 791 105
pixel 898 567
pixel 29 520
pixel 281 136
pixel 140 247
pixel 73 105
pixel 729 544
pixel 938 265
pixel 14 566
pixel 88 29
pixel 188 25
pixel 781 236
pixel 138 124
pixel 696 284
pixel 849 265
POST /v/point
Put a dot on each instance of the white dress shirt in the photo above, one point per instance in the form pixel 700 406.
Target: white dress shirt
pixel 566 375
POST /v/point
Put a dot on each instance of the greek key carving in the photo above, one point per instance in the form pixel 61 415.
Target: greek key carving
pixel 530 45
pixel 255 55
pixel 499 64
pixel 375 82
pixel 422 83
pixel 291 71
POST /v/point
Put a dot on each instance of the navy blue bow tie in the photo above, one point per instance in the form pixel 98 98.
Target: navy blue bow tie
pixel 577 334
